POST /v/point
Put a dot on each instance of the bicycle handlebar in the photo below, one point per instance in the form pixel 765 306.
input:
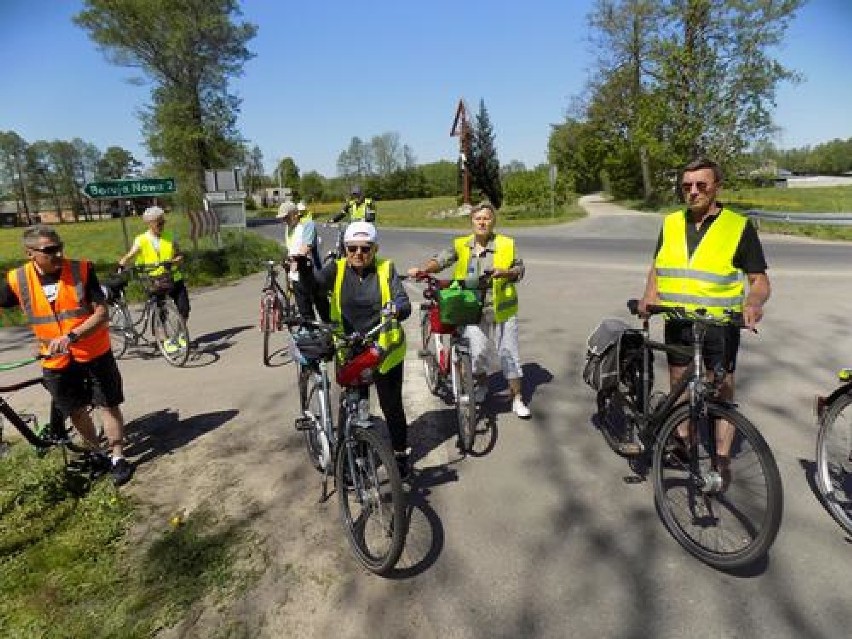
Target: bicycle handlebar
pixel 352 338
pixel 698 315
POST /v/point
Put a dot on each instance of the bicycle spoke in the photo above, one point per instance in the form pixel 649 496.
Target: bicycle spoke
pixel 834 460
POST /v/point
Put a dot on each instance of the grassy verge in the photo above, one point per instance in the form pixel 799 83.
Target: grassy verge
pixel 67 571
pixel 102 242
pixel 425 213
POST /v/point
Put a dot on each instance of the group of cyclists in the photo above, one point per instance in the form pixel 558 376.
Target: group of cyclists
pixel 707 256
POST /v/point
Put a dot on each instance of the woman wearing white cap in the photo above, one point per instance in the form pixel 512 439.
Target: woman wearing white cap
pixel 155 246
pixel 300 239
pixel 361 285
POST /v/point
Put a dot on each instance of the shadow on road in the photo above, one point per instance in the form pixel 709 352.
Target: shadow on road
pixel 160 432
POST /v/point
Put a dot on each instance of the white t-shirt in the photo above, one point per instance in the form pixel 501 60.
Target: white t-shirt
pixel 294 240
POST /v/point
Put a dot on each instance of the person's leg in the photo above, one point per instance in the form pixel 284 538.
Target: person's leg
pixel 506 340
pixel 108 395
pixel 478 343
pixel 70 396
pixel 180 295
pixel 389 391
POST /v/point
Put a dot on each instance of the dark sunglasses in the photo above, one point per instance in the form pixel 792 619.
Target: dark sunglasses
pixel 701 186
pixel 53 249
pixel 364 250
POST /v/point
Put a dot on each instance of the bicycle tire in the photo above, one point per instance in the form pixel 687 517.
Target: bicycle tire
pixel 834 461
pixel 428 354
pixel 375 528
pixel 465 402
pixel 267 325
pixel 316 441
pixel 751 504
pixel 120 328
pixel 172 336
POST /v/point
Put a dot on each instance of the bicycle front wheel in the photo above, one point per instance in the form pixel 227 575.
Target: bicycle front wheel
pixel 372 501
pixel 429 353
pixel 120 328
pixel 724 509
pixel 465 401
pixel 317 409
pixel 171 333
pixel 268 325
pixel 834 460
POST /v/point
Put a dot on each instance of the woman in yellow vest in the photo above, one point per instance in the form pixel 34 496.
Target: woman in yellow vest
pixel 67 312
pixel 156 245
pixel 473 255
pixel 361 285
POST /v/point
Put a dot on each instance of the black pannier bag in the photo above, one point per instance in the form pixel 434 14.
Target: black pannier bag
pixel 611 350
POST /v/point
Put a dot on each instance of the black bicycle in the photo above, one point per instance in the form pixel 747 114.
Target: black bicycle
pixel 834 450
pixel 716 484
pixel 367 479
pixel 57 432
pixel 276 304
pixel 159 317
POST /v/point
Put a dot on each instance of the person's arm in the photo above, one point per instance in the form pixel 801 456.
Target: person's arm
pixel 177 254
pixel 759 291
pixel 651 295
pixel 8 299
pixel 325 277
pixel 132 253
pixel 399 296
pixel 94 294
pixel 436 263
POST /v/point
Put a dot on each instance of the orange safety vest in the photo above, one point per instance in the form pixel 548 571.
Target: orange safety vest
pixel 66 314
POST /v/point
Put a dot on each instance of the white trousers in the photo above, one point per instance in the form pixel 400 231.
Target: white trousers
pixel 495 341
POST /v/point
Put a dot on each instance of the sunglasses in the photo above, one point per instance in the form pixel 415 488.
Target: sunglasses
pixel 701 186
pixel 53 249
pixel 363 250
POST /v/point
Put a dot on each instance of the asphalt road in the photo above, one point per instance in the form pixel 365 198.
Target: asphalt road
pixel 538 534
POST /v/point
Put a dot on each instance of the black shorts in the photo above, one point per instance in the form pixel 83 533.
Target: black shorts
pixel 721 344
pixel 97 382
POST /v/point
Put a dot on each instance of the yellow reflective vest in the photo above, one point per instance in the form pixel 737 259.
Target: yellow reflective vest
pixel 708 279
pixel 149 255
pixel 392 338
pixel 359 211
pixel 504 294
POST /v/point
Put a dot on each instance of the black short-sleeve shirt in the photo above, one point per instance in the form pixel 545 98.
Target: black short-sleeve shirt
pixel 748 257
pixel 92 293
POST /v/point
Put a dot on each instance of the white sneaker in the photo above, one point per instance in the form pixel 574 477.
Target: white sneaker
pixel 520 408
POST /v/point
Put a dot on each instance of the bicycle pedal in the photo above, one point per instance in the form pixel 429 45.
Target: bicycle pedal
pixel 303 423
pixel 631 448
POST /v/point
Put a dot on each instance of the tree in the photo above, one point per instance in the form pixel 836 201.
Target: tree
pixel 288 173
pixel 441 177
pixel 13 167
pixel 483 162
pixel 312 186
pixel 356 161
pixel 386 153
pixel 253 164
pixel 188 51
pixel 117 163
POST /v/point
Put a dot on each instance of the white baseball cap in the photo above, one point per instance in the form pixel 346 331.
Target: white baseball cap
pixel 360 232
pixel 285 208
pixel 152 213
pixel 301 206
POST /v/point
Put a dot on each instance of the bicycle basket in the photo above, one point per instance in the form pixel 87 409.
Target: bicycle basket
pixel 437 325
pixel 159 284
pixel 609 349
pixel 314 345
pixel 113 284
pixel 458 306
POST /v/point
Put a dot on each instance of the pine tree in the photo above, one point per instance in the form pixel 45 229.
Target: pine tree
pixel 483 162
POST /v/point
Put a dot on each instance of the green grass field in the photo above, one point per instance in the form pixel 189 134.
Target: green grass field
pixel 423 213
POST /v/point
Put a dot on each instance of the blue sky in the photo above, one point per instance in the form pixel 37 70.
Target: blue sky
pixel 325 71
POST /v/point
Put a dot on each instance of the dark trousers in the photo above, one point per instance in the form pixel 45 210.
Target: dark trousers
pixel 180 295
pixel 308 296
pixel 389 390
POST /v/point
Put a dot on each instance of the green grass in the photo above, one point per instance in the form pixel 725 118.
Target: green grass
pixel 102 242
pixel 421 213
pixel 68 571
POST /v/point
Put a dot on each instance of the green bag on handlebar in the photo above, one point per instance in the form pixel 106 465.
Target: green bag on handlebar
pixel 459 306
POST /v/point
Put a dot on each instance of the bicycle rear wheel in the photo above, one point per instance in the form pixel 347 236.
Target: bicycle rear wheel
pixel 834 460
pixel 170 332
pixel 727 519
pixel 372 501
pixel 465 401
pixel 429 353
pixel 120 328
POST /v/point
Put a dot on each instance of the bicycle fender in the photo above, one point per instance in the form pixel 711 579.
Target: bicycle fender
pixel 844 389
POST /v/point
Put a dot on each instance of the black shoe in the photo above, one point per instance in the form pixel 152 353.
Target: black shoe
pixel 122 471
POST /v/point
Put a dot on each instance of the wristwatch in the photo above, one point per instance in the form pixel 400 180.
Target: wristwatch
pixel 73 337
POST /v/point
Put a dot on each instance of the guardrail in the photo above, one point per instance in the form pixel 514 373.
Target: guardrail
pixel 828 219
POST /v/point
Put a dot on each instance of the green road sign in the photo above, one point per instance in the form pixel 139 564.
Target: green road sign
pixel 130 188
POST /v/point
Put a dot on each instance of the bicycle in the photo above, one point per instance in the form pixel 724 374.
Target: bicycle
pixel 276 304
pixel 717 487
pixel 367 480
pixel 58 432
pixel 159 315
pixel 448 367
pixel 834 450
